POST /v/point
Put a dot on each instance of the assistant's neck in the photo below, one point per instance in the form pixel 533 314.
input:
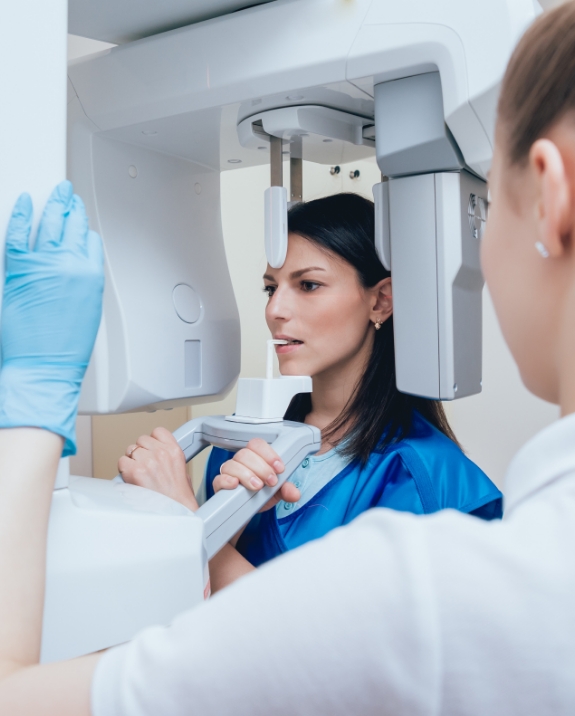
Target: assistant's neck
pixel 565 357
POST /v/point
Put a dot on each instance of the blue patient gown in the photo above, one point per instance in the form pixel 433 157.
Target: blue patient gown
pixel 423 473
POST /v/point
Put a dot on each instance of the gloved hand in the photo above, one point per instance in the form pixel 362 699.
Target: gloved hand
pixel 51 311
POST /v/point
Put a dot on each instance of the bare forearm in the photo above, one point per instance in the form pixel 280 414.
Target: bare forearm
pixel 227 566
pixel 28 464
pixel 60 689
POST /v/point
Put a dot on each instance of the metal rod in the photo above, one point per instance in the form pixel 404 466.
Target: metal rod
pixel 270 356
pixel 296 170
pixel 276 161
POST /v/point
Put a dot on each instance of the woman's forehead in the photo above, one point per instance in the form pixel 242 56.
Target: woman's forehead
pixel 303 253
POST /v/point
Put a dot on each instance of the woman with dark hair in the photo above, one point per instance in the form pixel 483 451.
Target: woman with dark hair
pixel 332 302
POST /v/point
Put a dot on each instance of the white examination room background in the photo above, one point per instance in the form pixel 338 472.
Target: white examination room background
pixel 490 426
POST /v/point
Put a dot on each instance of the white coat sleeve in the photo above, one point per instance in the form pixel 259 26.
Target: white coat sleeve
pixel 344 625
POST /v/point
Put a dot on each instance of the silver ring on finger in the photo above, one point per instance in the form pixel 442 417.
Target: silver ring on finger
pixel 133 450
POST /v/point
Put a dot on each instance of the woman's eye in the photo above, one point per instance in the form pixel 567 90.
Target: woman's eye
pixel 270 290
pixel 309 286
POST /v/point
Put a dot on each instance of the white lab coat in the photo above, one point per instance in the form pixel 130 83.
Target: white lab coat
pixel 395 614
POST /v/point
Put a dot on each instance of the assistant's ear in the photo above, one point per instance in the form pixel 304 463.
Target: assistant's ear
pixel 554 209
pixel 382 306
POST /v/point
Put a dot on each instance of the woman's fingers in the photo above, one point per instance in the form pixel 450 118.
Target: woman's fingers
pixel 289 492
pixel 149 443
pixel 236 472
pixel 225 482
pixel 266 452
pixel 245 468
pixel 157 463
pixel 262 462
pixel 247 476
pixel 166 437
pixel 257 466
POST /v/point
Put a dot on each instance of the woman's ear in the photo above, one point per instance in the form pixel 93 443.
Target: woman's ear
pixel 382 297
pixel 553 208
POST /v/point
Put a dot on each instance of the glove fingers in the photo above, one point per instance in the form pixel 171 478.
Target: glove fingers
pixel 20 224
pixel 54 217
pixel 76 227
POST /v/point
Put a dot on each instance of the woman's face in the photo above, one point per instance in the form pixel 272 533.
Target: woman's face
pixel 317 303
pixel 525 293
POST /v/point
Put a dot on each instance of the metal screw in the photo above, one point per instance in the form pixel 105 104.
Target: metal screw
pixel 354 174
pixel 334 170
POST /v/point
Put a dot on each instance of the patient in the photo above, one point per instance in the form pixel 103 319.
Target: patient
pixel 332 300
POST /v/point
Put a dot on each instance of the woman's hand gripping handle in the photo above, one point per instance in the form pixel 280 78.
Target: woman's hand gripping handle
pixel 255 466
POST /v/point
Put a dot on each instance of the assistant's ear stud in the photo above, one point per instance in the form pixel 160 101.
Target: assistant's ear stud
pixel 377 325
pixel 542 250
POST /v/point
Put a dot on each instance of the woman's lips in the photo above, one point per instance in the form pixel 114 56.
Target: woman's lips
pixel 288 348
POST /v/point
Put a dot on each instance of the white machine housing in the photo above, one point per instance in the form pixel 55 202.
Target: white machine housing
pixel 437 283
pixel 430 217
pixel 121 558
pixel 154 121
pixel 170 330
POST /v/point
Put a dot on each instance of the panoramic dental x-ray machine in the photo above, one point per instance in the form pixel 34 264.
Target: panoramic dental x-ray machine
pixel 197 87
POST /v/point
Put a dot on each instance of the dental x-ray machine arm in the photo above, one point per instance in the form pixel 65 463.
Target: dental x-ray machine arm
pixel 153 122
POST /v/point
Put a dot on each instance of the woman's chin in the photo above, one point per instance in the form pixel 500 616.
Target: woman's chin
pixel 292 367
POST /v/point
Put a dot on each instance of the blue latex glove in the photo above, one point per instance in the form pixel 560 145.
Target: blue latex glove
pixel 51 311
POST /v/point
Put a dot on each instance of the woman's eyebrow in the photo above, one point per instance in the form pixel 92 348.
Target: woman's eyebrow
pixel 298 274
pixel 295 274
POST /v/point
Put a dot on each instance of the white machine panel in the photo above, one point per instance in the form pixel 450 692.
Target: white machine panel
pixel 121 21
pixel 437 283
pixel 170 333
pixel 120 558
pixel 414 272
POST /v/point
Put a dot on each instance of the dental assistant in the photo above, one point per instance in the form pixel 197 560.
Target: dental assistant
pixel 395 614
pixel 332 301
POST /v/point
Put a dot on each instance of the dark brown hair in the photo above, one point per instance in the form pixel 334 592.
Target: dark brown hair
pixel 539 86
pixel 377 413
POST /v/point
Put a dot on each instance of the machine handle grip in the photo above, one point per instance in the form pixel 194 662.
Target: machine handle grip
pixel 190 438
pixel 228 511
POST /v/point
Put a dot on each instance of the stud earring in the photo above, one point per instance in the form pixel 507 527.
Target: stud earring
pixel 377 325
pixel 542 250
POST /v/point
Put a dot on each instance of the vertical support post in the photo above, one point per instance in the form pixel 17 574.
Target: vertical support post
pixel 276 161
pixel 33 37
pixel 296 170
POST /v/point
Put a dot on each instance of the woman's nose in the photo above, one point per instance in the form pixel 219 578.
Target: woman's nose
pixel 278 306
